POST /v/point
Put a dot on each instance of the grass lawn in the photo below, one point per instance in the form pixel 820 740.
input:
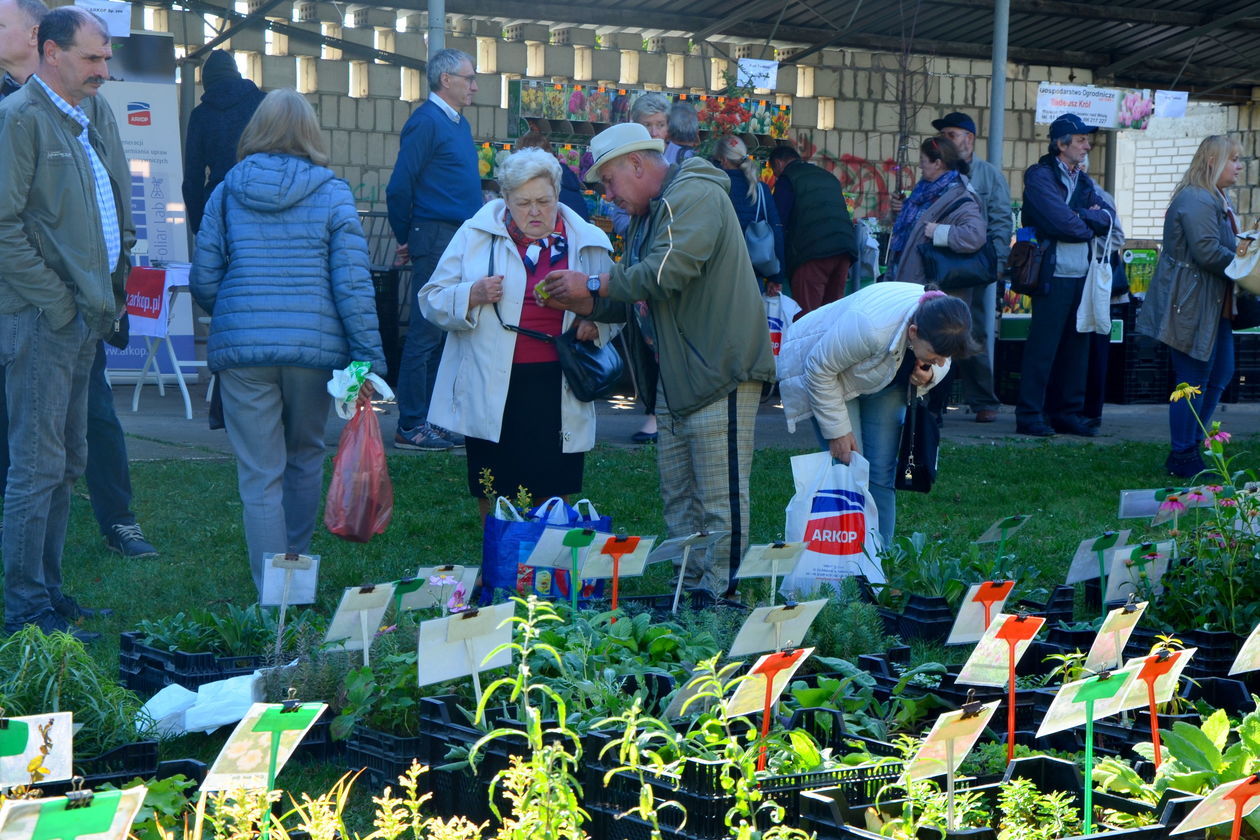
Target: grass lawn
pixel 191 511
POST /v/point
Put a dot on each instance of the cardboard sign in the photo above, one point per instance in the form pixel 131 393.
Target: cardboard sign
pixel 990 662
pixel 937 755
pixel 1228 803
pixel 1098 107
pixel 981 603
pixel 771 628
pixel 260 745
pixel 1163 674
pixel 460 645
pixel 1003 528
pixel 289 579
pixel 1107 651
pixel 1248 655
pixel 359 614
pixel 775 668
pixel 1085 561
pixel 431 586
pixel 107 816
pixel 1069 707
pixel 1136 570
pixel 23 738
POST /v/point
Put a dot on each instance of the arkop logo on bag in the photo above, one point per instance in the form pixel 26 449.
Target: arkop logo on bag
pixel 776 332
pixel 837 522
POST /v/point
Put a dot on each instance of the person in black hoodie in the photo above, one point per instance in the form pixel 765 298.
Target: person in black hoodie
pixel 214 129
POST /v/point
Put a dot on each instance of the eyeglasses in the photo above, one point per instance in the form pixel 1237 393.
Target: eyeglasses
pixel 471 77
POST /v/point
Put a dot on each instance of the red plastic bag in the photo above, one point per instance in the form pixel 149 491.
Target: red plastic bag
pixel 361 496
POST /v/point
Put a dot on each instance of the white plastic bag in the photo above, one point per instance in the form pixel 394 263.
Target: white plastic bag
pixel 167 708
pixel 1245 267
pixel 1094 313
pixel 345 384
pixel 781 311
pixel 833 513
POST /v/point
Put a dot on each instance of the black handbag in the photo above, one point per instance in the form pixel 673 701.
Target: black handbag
pixel 1248 306
pixel 951 270
pixel 593 372
pixel 920 447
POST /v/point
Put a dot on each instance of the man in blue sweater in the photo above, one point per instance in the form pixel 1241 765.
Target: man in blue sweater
pixel 435 188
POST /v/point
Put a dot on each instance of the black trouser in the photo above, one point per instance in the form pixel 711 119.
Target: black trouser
pixel 1052 383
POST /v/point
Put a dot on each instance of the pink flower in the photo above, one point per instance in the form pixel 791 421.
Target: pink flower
pixel 1216 434
pixel 1173 504
pixel 456 602
pixel 1228 502
pixel 1214 488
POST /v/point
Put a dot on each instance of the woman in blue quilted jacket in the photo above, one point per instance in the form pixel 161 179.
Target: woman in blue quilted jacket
pixel 282 268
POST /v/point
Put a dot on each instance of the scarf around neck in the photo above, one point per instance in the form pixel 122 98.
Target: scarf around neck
pixel 924 196
pixel 532 249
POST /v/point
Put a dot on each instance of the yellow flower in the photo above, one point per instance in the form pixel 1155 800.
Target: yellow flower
pixel 1184 391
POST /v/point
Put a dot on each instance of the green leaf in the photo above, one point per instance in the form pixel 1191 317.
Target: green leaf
pixel 1216 728
pixel 1189 745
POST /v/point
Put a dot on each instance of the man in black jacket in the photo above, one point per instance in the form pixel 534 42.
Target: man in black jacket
pixel 821 243
pixel 1063 207
pixel 214 129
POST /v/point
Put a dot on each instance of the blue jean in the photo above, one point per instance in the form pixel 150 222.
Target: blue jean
pixel 46 385
pixel 877 419
pixel 422 349
pixel 107 474
pixel 1211 377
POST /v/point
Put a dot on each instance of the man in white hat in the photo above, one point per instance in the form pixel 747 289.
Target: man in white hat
pixel 700 311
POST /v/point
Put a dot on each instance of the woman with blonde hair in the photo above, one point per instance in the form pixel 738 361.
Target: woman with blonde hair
pixel 282 267
pixel 752 200
pixel 1190 304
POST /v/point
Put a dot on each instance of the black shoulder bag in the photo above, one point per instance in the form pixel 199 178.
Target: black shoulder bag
pixel 592 372
pixel 951 270
pixel 920 447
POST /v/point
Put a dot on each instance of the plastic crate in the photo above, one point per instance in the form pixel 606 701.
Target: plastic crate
pixel 383 755
pixel 1140 371
pixel 117 766
pixel 1008 363
pixel 146 669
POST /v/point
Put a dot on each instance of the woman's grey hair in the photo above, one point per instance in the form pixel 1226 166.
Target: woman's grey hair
pixel 526 165
pixel 653 102
pixel 445 61
pixel 684 125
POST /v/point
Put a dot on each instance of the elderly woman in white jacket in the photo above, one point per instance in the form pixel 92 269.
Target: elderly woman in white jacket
pixel 503 389
pixel 849 366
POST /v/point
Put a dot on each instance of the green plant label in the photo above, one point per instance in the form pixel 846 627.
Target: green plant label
pixel 14 737
pixel 58 822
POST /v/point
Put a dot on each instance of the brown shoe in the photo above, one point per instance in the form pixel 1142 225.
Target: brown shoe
pixel 986 415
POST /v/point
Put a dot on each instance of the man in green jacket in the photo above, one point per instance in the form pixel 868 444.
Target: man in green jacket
pixel 687 282
pixel 65 231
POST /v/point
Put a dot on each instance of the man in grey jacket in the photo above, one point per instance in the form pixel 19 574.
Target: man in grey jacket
pixel 65 230
pixel 976 371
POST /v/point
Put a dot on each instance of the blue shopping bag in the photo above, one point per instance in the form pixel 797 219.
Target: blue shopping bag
pixel 507 540
pixel 553 584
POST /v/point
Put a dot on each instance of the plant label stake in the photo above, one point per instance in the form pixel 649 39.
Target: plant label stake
pixel 274 721
pixel 1015 629
pixel 769 561
pixel 1003 528
pixel 947 745
pixel 616 548
pixel 576 540
pixel 1154 667
pixel 1085 701
pixel 290 563
pixel 405 587
pixel 35 749
pixel 1230 803
pixel 699 540
pixel 979 605
pixel 775 669
pixel 1138 569
pixel 358 615
pixel 1102 687
pixel 1100 546
pixel 464 644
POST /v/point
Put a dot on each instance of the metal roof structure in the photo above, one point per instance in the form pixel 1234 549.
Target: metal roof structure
pixel 1207 47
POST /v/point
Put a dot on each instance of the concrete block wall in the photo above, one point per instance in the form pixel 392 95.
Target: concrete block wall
pixel 858 147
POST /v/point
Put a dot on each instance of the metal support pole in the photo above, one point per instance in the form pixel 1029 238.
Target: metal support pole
pixel 997 86
pixel 437 26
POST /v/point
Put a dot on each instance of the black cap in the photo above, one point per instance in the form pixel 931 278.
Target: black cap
pixel 955 120
pixel 1069 124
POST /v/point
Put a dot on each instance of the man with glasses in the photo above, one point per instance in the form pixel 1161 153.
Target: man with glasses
pixel 435 188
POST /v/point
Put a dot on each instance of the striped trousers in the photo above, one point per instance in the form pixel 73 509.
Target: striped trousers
pixel 704 460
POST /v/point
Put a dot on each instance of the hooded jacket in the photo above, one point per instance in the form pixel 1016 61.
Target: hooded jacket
pixel 285 278
pixel 841 351
pixel 472 381
pixel 50 226
pixel 214 130
pixel 694 272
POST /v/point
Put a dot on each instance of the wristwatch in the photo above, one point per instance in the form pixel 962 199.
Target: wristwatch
pixel 593 284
